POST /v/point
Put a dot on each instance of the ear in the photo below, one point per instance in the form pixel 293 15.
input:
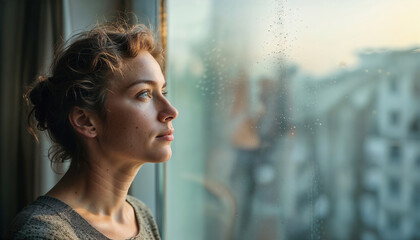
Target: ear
pixel 83 122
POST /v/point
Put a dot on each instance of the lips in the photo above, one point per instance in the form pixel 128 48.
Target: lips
pixel 167 135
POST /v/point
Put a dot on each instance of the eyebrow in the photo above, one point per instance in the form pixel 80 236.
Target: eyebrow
pixel 149 82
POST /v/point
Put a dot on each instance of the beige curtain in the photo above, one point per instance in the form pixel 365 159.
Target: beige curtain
pixel 29 30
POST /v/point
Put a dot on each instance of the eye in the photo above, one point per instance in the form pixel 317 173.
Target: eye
pixel 145 94
pixel 164 92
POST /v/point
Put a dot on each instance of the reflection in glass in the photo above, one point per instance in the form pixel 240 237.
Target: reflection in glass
pixel 298 119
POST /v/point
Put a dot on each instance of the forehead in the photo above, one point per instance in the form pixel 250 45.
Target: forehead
pixel 142 67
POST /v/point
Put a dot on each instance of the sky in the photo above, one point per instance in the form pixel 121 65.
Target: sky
pixel 318 36
pixel 326 34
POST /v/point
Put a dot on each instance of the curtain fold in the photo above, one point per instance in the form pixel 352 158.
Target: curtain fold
pixel 28 29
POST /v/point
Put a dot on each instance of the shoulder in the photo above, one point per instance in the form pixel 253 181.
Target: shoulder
pixel 147 220
pixel 140 207
pixel 39 220
pixel 137 203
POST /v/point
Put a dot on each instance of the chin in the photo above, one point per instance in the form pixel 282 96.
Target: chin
pixel 167 157
pixel 161 157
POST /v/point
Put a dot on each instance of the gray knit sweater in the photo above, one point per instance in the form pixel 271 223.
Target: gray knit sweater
pixel 50 218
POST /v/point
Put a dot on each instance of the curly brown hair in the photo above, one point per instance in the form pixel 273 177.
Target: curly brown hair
pixel 81 74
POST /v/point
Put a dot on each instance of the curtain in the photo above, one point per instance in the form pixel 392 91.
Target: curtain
pixel 30 30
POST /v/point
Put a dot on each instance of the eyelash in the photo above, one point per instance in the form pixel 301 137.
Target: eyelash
pixel 164 93
pixel 141 94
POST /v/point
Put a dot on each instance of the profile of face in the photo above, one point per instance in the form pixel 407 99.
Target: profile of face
pixel 138 125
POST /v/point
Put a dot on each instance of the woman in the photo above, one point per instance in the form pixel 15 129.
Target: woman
pixel 105 108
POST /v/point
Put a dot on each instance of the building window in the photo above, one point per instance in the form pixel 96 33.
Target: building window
pixel 394 221
pixel 394 186
pixel 417 226
pixel 394 153
pixel 393 85
pixel 394 118
pixel 416 195
pixel 416 85
pixel 415 126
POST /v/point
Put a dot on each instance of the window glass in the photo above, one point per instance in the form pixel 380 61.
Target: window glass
pixel 296 119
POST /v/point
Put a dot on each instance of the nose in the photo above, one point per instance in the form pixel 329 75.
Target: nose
pixel 168 112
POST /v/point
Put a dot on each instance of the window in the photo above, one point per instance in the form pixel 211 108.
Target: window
pixel 394 221
pixel 394 187
pixel 296 86
pixel 417 226
pixel 416 197
pixel 393 85
pixel 394 118
pixel 415 127
pixel 416 85
pixel 394 153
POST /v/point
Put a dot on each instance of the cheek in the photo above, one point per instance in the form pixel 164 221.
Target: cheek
pixel 130 131
pixel 127 123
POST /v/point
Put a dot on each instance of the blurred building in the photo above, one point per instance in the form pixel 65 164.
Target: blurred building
pixel 330 121
pixel 349 163
pixel 390 204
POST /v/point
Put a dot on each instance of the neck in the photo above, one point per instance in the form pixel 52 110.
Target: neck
pixel 98 187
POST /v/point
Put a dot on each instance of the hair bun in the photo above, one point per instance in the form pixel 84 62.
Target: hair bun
pixel 39 96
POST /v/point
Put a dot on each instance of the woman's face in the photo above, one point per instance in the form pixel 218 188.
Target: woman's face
pixel 138 125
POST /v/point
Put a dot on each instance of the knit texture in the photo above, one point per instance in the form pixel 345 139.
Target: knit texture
pixel 50 218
